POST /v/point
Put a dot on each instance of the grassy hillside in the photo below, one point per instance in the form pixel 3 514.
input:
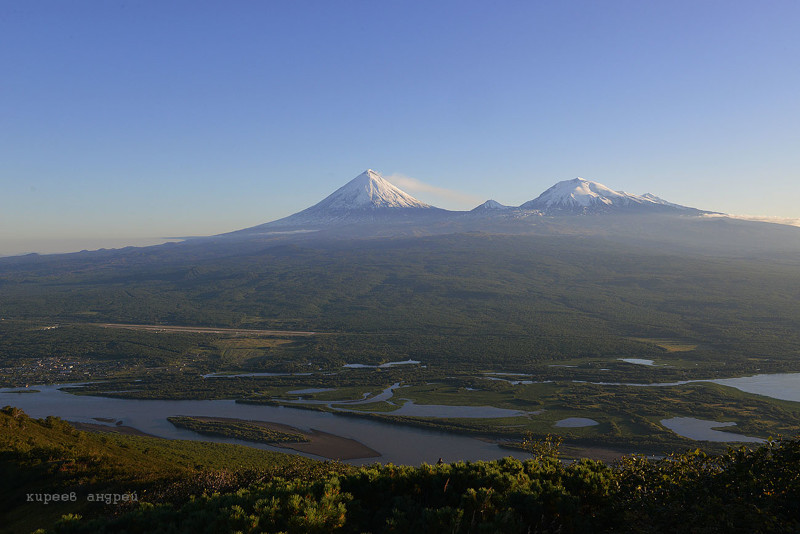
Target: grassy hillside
pixel 48 456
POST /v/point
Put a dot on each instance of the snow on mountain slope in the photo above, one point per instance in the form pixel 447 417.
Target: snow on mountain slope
pixel 366 198
pixel 659 200
pixel 491 205
pixel 369 203
pixel 368 190
pixel 583 196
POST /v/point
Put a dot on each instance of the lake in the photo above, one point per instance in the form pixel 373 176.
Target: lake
pixel 702 430
pixel 783 386
pixel 576 422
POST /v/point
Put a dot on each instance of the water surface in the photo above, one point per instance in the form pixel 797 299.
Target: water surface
pixel 702 430
pixel 784 386
pixel 396 443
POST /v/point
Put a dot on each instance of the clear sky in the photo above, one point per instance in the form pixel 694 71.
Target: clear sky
pixel 137 119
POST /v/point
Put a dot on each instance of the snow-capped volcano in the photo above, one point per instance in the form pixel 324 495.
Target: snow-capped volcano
pixel 490 205
pixel 370 205
pixel 366 198
pixel 583 196
pixel 369 190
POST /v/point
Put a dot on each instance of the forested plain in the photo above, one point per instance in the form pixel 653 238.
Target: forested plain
pixel 555 308
pixel 464 299
pixel 562 312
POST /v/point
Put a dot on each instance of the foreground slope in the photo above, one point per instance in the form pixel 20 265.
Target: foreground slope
pixel 49 457
pixel 743 490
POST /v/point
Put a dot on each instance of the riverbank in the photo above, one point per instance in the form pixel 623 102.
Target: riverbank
pixel 107 429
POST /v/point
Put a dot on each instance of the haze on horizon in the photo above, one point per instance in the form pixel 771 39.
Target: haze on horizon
pixel 128 121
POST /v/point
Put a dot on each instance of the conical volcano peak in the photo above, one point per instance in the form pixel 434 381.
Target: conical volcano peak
pixel 369 190
pixel 368 197
pixel 368 175
pixel 370 180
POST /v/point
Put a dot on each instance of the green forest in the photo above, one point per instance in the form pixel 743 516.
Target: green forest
pixel 510 302
pixel 501 299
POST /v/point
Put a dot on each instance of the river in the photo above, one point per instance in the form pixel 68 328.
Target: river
pixel 397 444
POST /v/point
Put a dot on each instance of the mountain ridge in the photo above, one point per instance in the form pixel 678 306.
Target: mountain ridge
pixel 369 207
pixel 370 198
pixel 580 196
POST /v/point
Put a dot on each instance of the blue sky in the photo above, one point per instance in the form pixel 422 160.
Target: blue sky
pixel 135 119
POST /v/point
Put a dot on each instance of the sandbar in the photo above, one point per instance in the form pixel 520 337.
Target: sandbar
pixel 319 443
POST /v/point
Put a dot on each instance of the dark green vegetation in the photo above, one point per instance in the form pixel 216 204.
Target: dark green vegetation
pixel 49 456
pixel 498 302
pixel 629 417
pixel 558 308
pixel 243 430
pixel 244 490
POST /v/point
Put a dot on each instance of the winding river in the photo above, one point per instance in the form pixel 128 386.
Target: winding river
pixel 397 444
